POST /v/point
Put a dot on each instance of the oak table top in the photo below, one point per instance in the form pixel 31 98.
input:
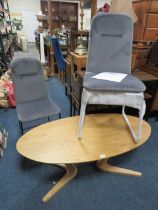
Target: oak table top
pixel 104 136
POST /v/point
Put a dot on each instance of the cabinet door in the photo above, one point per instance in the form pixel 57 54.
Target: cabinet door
pixel 152 21
pixel 140 10
pixel 151 34
pixel 154 5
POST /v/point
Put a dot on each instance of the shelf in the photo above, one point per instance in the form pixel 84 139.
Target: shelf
pixel 4 1
pixel 4 11
pixel 152 11
pixel 6 39
pixel 55 20
pixel 61 20
pixel 8 45
pixel 69 20
pixel 61 10
pixel 5 27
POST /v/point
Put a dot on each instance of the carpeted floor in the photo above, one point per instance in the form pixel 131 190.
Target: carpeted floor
pixel 24 182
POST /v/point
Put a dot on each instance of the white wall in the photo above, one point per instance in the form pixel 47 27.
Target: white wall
pixel 23 5
pixel 29 9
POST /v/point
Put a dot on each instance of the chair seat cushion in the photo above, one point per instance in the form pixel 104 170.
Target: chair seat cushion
pixel 128 84
pixel 38 109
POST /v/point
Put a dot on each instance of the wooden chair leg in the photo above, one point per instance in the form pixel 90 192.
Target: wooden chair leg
pixel 59 74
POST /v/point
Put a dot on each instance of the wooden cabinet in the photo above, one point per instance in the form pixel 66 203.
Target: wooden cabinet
pixel 152 21
pixel 154 5
pixel 147 26
pixel 63 13
pixel 78 60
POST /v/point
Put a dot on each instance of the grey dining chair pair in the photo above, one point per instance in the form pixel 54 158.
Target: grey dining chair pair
pixel 110 50
pixel 31 94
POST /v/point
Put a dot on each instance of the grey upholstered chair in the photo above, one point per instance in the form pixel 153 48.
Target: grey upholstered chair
pixel 110 48
pixel 31 94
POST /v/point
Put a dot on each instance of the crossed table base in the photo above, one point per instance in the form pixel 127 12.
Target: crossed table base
pixel 71 172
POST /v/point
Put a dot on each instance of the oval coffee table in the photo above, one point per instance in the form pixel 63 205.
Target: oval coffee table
pixel 104 136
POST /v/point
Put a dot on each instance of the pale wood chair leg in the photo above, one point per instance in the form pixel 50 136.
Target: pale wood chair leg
pixel 59 74
pixel 106 167
pixel 71 172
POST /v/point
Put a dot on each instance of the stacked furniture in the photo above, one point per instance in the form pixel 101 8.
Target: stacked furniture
pixel 143 51
pixel 110 51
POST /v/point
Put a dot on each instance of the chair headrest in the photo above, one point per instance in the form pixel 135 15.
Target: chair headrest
pixel 26 66
pixel 111 24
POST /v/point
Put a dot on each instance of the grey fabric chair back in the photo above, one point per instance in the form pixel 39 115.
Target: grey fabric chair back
pixel 110 43
pixel 28 80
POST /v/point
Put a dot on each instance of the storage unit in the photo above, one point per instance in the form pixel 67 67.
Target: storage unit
pixel 63 13
pixel 147 13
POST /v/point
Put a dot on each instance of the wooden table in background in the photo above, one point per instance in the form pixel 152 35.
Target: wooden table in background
pixel 104 136
pixel 78 60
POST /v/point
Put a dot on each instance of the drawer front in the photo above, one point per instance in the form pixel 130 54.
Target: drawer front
pixel 152 21
pixel 74 60
pixel 151 34
pixel 83 62
pixel 154 5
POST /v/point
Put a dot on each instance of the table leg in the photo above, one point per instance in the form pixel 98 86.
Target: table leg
pixel 71 172
pixel 106 167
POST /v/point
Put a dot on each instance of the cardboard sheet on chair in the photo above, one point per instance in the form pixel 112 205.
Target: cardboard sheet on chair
pixel 110 76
